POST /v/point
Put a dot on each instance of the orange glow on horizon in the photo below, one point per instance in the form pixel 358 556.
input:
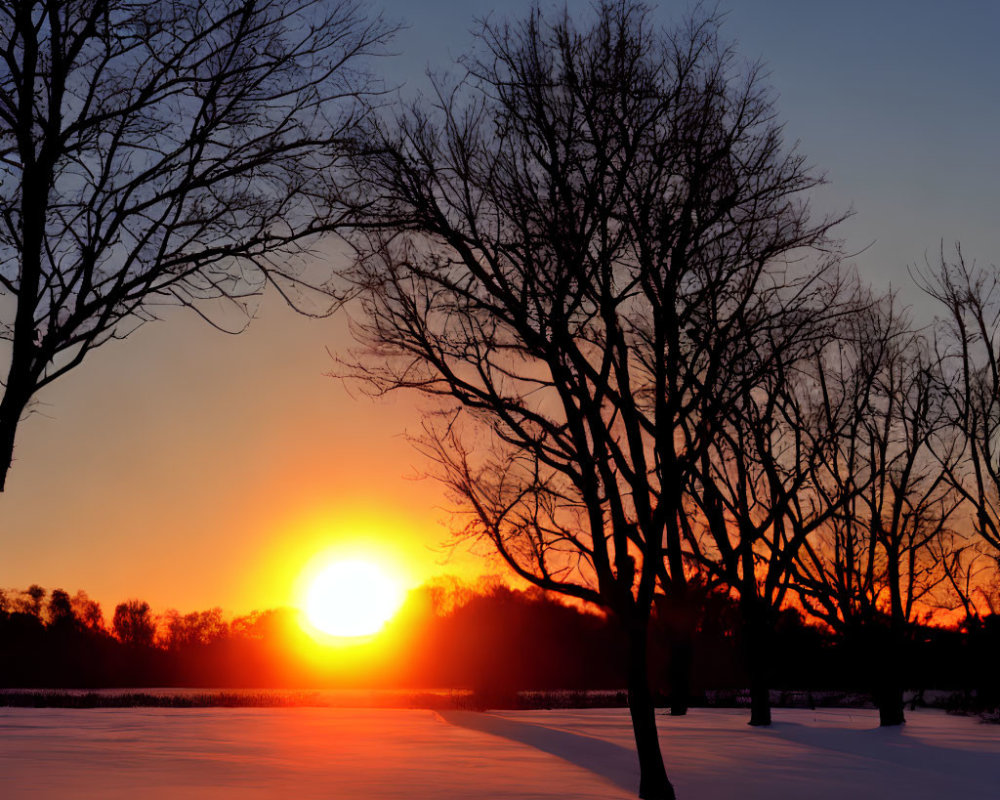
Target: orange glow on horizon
pixel 309 539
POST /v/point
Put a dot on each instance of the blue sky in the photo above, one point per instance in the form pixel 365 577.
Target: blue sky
pixel 897 102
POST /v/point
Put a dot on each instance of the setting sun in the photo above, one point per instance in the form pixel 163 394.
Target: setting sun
pixel 352 598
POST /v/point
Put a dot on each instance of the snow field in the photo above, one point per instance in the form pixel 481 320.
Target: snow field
pixel 377 754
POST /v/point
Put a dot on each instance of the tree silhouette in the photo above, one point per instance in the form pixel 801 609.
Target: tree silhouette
pixel 87 611
pixel 60 609
pixel 754 496
pixel 579 251
pixel 159 153
pixel 872 563
pixel 465 636
pixel 133 623
pixel 32 599
pixel 969 348
pixel 194 628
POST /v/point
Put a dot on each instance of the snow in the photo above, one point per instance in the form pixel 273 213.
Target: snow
pixel 712 754
pixel 376 754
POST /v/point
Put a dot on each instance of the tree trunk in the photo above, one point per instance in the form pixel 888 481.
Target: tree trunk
pixel 760 703
pixel 758 660
pixel 36 181
pixel 680 619
pixel 890 706
pixel 6 452
pixel 653 782
pixel 10 415
pixel 888 694
pixel 681 655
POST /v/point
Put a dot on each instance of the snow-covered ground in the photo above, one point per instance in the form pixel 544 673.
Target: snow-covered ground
pixel 374 754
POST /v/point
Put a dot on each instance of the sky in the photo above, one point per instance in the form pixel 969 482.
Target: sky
pixel 193 469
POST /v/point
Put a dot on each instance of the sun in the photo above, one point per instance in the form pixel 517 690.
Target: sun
pixel 352 598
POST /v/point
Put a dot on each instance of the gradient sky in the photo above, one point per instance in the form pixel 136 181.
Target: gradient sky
pixel 194 469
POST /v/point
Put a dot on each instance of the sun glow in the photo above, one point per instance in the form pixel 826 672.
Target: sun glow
pixel 352 598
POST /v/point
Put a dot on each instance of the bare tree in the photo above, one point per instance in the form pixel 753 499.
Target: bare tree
pixel 754 496
pixel 968 342
pixel 877 563
pixel 580 249
pixel 163 152
pixel 970 576
pixel 969 348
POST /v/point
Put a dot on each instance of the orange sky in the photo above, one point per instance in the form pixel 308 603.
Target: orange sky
pixel 194 469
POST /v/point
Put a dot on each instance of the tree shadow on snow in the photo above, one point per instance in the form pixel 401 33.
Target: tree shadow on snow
pixel 611 761
pixel 891 745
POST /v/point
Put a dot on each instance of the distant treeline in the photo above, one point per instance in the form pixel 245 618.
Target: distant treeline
pixel 490 638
